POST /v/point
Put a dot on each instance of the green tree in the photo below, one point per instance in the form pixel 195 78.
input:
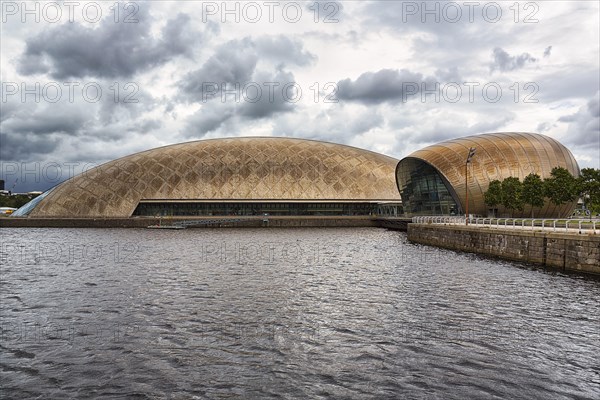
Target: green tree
pixel 493 195
pixel 561 187
pixel 588 185
pixel 511 194
pixel 532 192
pixel 15 201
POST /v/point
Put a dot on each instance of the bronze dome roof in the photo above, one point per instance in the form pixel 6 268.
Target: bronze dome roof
pixel 250 168
pixel 498 156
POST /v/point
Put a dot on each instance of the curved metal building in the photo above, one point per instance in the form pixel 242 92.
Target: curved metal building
pixel 431 181
pixel 235 176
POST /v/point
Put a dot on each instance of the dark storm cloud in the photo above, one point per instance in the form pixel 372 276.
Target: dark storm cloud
pixel 234 63
pixel 270 102
pixel 32 130
pixel 44 120
pixel 131 103
pixel 20 147
pixel 47 123
pixel 218 112
pixel 208 119
pixel 594 107
pixel 381 86
pixel 505 62
pixel 111 50
pixel 146 126
pixel 8 110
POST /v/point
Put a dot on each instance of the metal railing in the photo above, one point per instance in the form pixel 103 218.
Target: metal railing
pixel 438 220
pixel 557 225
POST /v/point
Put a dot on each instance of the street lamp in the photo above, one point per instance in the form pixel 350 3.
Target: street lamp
pixel 471 154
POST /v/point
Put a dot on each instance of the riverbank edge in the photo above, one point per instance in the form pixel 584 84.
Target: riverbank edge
pixel 202 222
pixel 569 252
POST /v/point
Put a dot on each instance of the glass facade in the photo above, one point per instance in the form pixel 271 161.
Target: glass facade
pixel 27 208
pixel 423 190
pixel 191 208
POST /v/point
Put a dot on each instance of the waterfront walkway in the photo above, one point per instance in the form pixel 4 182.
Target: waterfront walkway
pixel 577 226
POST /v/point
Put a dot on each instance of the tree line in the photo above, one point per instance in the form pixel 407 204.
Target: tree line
pixel 16 200
pixel 560 188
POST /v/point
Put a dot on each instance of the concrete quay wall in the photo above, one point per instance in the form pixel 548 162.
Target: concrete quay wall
pixel 212 222
pixel 560 250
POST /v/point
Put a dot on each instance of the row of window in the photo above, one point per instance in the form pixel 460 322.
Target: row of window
pixel 225 209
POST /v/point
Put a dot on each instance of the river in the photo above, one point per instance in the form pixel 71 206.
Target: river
pixel 353 313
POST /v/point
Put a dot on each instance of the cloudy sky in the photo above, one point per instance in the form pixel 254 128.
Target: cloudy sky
pixel 87 82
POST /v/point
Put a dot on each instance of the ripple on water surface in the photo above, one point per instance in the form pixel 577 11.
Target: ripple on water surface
pixel 285 313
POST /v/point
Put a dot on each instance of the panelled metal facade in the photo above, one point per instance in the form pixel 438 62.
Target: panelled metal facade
pixel 431 181
pixel 251 170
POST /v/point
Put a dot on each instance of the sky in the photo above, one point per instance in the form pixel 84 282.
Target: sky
pixel 87 82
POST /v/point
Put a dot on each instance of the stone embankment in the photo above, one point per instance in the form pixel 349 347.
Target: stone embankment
pixel 566 251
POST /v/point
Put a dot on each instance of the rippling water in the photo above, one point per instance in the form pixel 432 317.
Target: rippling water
pixel 278 313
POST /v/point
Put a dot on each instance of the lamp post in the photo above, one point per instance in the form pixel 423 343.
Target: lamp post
pixel 469 156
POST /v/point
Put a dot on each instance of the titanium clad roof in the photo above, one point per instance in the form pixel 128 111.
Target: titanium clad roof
pixel 498 156
pixel 251 168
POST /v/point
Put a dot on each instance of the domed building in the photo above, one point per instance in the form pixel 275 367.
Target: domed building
pixel 233 176
pixel 286 176
pixel 434 181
